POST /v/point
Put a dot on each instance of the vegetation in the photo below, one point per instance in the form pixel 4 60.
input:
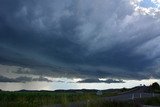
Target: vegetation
pixel 155 87
pixel 152 101
pixel 40 98
pixel 155 100
pixel 36 99
pixel 101 103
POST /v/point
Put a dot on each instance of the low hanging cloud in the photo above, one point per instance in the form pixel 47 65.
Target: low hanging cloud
pixel 100 81
pixel 86 39
pixel 23 79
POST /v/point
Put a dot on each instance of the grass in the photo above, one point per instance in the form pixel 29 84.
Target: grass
pixel 155 101
pixel 101 103
pixel 40 98
pixel 36 99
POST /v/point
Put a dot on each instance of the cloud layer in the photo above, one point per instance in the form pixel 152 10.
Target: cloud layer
pixel 23 79
pixel 100 81
pixel 93 38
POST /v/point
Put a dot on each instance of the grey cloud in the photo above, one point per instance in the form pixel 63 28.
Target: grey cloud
pixel 23 79
pixel 71 38
pixel 5 79
pixel 41 79
pixel 100 81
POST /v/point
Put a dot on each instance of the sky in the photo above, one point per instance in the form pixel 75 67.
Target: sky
pixel 147 3
pixel 68 44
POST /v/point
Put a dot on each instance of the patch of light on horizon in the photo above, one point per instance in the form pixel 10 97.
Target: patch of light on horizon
pixel 102 79
pixel 77 79
pixel 73 85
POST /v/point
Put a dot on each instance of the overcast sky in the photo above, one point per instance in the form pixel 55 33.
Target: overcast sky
pixel 87 39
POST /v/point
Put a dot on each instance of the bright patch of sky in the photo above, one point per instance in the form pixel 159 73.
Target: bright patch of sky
pixel 147 7
pixel 61 83
pixel 56 85
pixel 148 4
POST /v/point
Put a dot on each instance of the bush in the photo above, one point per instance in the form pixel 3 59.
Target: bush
pixel 155 87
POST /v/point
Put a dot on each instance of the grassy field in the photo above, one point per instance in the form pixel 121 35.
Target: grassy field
pixel 152 101
pixel 36 99
pixel 100 103
pixel 40 98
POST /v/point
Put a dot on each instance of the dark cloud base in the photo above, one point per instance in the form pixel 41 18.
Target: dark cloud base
pixel 73 39
pixel 23 79
pixel 100 81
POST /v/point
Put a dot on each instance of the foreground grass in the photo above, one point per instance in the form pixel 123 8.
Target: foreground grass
pixel 103 103
pixel 152 101
pixel 37 99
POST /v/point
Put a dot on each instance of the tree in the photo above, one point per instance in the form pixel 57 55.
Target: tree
pixel 155 85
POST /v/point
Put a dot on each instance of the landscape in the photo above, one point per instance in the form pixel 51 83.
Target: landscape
pixel 134 97
pixel 79 53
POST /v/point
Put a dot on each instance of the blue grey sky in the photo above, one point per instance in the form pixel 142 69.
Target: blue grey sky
pixel 87 39
pixel 147 3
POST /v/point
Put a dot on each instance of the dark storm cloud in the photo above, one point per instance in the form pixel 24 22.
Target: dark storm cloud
pixel 100 81
pixel 79 38
pixel 23 79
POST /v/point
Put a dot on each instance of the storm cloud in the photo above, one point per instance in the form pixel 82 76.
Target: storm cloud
pixel 78 38
pixel 23 79
pixel 100 81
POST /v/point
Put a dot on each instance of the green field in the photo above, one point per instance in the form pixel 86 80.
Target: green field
pixel 152 101
pixel 43 98
pixel 36 99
